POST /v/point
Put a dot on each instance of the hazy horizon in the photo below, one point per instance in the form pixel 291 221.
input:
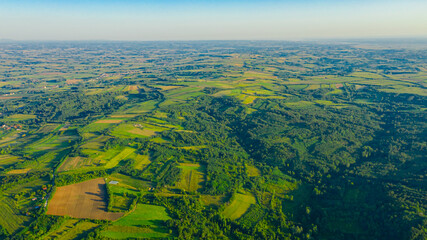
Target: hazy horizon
pixel 132 20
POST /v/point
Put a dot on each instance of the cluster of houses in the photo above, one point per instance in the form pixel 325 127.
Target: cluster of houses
pixel 16 126
pixel 35 199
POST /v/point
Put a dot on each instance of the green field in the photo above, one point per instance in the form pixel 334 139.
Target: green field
pixel 71 229
pixel 239 206
pixel 145 221
pixel 8 160
pixel 19 117
pixel 191 177
pixel 141 161
pixel 137 129
pixel 122 155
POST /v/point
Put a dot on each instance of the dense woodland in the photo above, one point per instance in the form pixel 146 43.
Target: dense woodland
pixel 325 138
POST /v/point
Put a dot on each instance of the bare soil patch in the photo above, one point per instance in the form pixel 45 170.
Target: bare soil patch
pixel 82 200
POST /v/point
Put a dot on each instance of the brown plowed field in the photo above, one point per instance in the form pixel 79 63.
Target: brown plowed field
pixel 82 200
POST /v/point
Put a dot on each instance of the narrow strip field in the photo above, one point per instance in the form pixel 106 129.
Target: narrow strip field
pixel 122 155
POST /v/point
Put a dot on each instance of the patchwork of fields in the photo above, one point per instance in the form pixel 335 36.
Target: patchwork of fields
pixel 210 140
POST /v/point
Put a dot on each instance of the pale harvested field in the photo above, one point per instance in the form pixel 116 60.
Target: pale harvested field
pixel 109 121
pixel 132 88
pixel 9 97
pixel 143 132
pixel 82 200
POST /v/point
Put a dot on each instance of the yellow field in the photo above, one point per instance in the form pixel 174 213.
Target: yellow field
pixel 19 171
pixel 109 121
pixel 191 177
pixel 122 155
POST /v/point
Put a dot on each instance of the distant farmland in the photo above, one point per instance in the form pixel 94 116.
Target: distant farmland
pixel 82 200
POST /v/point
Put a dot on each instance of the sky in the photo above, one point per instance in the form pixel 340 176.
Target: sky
pixel 147 20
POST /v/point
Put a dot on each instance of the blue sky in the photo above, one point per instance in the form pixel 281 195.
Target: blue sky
pixel 211 19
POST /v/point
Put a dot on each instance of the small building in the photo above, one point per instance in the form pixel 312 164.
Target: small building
pixel 113 182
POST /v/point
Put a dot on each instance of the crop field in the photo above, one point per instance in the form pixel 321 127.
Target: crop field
pixel 133 89
pixel 132 130
pixel 129 182
pixel 239 206
pixel 19 171
pixel 6 160
pixel 82 200
pixel 99 159
pixel 96 127
pixel 10 218
pixel 46 158
pixel 52 141
pixel 124 116
pixel 139 108
pixel 109 121
pixel 166 87
pixel 48 128
pixel 191 177
pixel 95 142
pixel 300 104
pixel 141 161
pixel 71 229
pixel 10 139
pixel 122 155
pixel 144 222
pixel 212 200
pixel 19 117
pixel 71 163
